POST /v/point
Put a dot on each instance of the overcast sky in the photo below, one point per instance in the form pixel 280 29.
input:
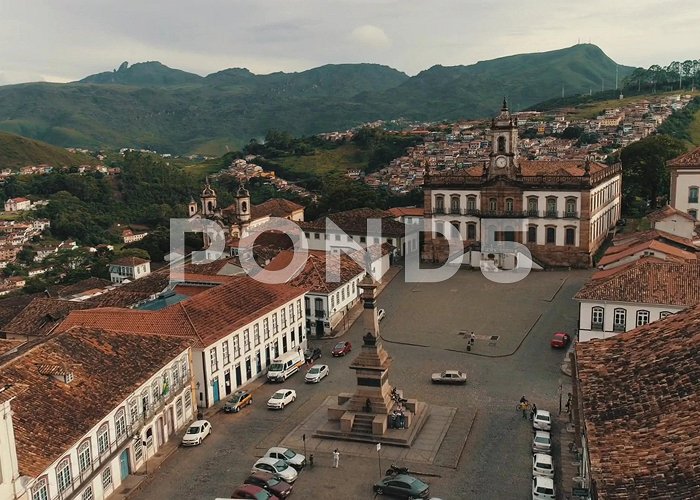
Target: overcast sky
pixel 64 40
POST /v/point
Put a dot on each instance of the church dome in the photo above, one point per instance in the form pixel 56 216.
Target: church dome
pixel 242 191
pixel 208 192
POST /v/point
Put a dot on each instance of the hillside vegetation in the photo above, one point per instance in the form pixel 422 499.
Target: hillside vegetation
pixel 149 105
pixel 17 151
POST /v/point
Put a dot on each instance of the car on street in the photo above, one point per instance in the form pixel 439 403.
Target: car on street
pixel 449 377
pixel 560 339
pixel 380 314
pixel 277 467
pixel 238 400
pixel 271 483
pixel 542 442
pixel 296 460
pixel 542 420
pixel 312 354
pixel 542 465
pixel 542 487
pixel 402 486
pixel 196 433
pixel 316 373
pixel 251 491
pixel 281 398
pixel 342 348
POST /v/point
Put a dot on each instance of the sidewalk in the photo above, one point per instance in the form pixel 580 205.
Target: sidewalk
pixel 134 481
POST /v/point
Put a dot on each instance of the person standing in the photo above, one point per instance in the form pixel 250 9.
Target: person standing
pixel 568 403
pixel 472 338
pixel 533 411
pixel 336 458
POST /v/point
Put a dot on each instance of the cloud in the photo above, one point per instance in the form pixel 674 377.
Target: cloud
pixel 371 36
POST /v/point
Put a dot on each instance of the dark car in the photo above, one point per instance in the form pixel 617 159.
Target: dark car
pixel 402 486
pixel 560 339
pixel 238 400
pixel 312 354
pixel 341 348
pixel 253 492
pixel 271 483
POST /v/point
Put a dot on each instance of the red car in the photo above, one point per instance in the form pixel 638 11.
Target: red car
pixel 560 339
pixel 341 349
pixel 271 483
pixel 253 492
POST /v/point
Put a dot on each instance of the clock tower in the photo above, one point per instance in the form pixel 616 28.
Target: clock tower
pixel 503 159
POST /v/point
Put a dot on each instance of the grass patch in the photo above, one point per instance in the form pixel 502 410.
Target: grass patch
pixel 694 129
pixel 591 110
pixel 323 161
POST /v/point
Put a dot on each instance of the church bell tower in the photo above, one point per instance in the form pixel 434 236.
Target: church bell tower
pixel 503 158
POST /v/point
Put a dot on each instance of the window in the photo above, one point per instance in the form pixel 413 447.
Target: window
pixel 176 375
pixel 106 478
pixel 188 399
pixel 620 320
pixel 317 236
pixel 332 301
pixel 63 477
pixel 225 353
pixel 84 456
pixel 551 207
pixel 275 328
pixel 291 313
pixel 532 206
pixel 236 347
pixel 178 408
pixel 532 234
pixel 299 308
pixel 509 204
pixel 283 317
pixel 551 236
pixel 454 205
pixel 138 449
pixel 664 314
pixel 185 365
pixel 246 340
pixel 307 305
pixel 471 202
pixel 597 318
pixel 87 494
pixel 439 203
pixel 342 293
pixel 571 207
pixel 256 334
pixel 133 410
pixel 570 236
pixel 337 237
pixel 642 317
pixel 693 213
pixel 492 204
pixel 41 490
pixel 318 303
pixel 266 328
pixel 103 439
pixel 363 239
pixel 471 231
pixel 213 359
pixel 120 423
pixel 455 224
pixel 692 194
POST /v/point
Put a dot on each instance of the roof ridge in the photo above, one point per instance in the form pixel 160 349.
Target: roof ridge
pixel 189 320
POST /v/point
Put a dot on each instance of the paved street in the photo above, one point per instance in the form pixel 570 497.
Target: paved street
pixel 421 332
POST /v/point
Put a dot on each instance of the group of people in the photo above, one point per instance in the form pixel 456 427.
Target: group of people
pixel 525 405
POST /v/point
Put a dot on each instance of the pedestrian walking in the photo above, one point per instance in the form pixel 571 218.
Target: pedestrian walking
pixel 472 337
pixel 568 404
pixel 336 458
pixel 533 411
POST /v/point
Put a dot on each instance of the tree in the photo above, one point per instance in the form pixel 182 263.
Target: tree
pixel 644 167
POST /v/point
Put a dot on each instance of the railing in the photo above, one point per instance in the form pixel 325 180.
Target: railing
pixel 509 214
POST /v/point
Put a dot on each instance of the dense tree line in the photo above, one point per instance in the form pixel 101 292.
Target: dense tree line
pixel 678 124
pixel 677 75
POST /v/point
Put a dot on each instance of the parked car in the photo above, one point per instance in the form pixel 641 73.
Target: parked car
pixel 542 420
pixel 238 400
pixel 281 398
pixel 402 485
pixel 542 487
pixel 380 314
pixel 312 354
pixel 277 467
pixel 296 460
pixel 542 465
pixel 316 373
pixel 341 348
pixel 542 442
pixel 449 377
pixel 196 433
pixel 271 483
pixel 251 491
pixel 560 339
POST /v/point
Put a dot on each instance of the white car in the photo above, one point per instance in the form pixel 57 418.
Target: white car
pixel 542 442
pixel 542 420
pixel 281 398
pixel 380 314
pixel 316 373
pixel 296 460
pixel 196 433
pixel 276 466
pixel 542 465
pixel 542 487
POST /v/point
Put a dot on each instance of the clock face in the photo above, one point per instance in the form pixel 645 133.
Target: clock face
pixel 501 161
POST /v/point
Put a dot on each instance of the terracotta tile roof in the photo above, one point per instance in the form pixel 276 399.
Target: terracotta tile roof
pixel 614 253
pixel 275 207
pixel 640 394
pixel 355 222
pixel 134 292
pixel 406 211
pixel 7 345
pixel 665 212
pixel 663 283
pixel 190 290
pixel 690 159
pixel 206 317
pixel 654 234
pixel 312 274
pixel 83 286
pixel 558 167
pixel 12 306
pixel 129 261
pixel 94 356
pixel 606 273
pixel 41 316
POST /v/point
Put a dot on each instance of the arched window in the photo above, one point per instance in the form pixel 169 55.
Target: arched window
pixel 63 475
pixel 103 439
pixel 471 231
pixel 40 491
pixel 664 314
pixel 619 319
pixel 155 391
pixel 84 458
pixel 454 204
pixel 532 206
pixel 471 202
pixel 642 317
pixel 439 203
pixel 120 423
pixel 244 207
pixel 597 317
pixel 551 206
pixel 501 144
pixel 692 194
pixel 210 206
pixel 570 207
pixel 492 204
pixel 693 213
pixel 509 204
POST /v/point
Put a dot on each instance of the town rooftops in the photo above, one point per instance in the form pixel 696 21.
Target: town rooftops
pixel 648 282
pixel 616 253
pixel 311 275
pixel 666 212
pixel 18 200
pixel 691 159
pixel 640 395
pixel 275 207
pixel 406 211
pixel 355 222
pixel 622 239
pixel 129 261
pixel 41 316
pixel 106 366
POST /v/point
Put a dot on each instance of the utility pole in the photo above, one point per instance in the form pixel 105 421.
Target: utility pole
pixel 616 73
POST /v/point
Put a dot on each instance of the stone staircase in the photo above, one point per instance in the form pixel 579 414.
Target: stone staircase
pixel 362 424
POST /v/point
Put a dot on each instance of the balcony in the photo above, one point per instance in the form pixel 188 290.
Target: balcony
pixel 551 214
pixel 570 214
pixel 504 214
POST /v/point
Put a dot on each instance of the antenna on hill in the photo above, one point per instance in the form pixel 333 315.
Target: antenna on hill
pixel 616 73
pixel 562 91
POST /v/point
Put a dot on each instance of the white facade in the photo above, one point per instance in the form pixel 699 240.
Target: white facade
pixel 317 240
pixel 17 204
pixel 677 225
pixel 685 187
pixel 118 273
pixel 605 207
pixel 123 440
pixel 602 319
pixel 244 354
pixel 9 472
pixel 324 311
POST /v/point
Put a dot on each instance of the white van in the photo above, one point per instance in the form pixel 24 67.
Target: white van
pixel 284 366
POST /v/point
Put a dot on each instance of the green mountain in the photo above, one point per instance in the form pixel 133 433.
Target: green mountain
pixel 17 151
pixel 150 105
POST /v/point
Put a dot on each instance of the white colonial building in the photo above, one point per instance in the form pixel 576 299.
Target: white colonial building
pixel 128 269
pixel 685 182
pixel 643 292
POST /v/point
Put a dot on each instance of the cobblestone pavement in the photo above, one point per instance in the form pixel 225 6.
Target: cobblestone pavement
pixel 421 332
